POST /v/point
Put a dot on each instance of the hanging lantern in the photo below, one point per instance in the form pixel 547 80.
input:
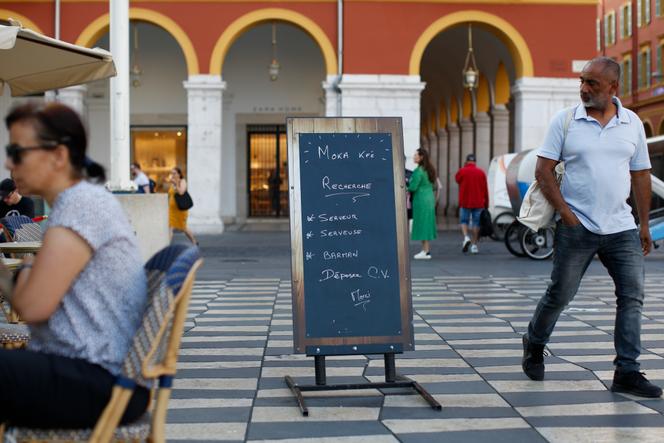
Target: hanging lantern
pixel 273 69
pixel 471 74
pixel 135 72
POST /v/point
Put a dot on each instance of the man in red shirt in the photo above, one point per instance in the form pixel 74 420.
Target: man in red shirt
pixel 473 197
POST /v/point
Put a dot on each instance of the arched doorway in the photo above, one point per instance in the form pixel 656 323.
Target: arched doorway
pixel 99 27
pixel 502 29
pixel 158 120
pixel 479 120
pixel 648 129
pixel 254 149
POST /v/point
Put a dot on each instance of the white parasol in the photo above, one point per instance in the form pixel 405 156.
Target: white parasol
pixel 31 62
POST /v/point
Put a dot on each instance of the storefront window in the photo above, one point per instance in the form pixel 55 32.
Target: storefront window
pixel 268 171
pixel 158 150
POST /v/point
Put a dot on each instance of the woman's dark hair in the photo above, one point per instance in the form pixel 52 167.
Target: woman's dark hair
pixel 426 164
pixel 177 168
pixel 55 122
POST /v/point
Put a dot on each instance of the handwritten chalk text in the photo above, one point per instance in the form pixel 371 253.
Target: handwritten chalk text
pixel 327 274
pixel 340 233
pixel 333 218
pixel 340 255
pixel 344 186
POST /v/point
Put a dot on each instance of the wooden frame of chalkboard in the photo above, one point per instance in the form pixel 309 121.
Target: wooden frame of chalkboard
pixel 351 287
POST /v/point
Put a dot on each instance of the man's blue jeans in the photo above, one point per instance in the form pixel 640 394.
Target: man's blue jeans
pixel 470 216
pixel 622 256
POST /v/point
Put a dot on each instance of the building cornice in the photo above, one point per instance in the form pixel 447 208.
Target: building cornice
pixel 647 102
pixel 484 2
pixel 466 2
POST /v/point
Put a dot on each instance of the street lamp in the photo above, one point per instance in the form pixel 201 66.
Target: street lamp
pixel 135 71
pixel 273 69
pixel 470 72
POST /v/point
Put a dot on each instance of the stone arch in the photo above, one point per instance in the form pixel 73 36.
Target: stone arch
pixel 508 34
pixel 647 126
pixel 99 26
pixel 433 121
pixel 25 21
pixel 442 115
pixel 467 109
pixel 454 111
pixel 502 88
pixel 483 95
pixel 247 21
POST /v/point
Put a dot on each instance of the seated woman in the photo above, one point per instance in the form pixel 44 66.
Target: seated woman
pixel 84 294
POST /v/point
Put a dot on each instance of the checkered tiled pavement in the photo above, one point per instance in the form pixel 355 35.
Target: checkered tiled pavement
pixel 238 348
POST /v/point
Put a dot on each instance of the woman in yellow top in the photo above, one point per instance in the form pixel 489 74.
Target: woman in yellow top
pixel 177 218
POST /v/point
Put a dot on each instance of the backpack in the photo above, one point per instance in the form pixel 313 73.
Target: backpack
pixel 486 225
pixel 536 211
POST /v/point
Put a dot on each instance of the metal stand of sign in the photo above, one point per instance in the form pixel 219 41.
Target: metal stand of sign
pixel 392 380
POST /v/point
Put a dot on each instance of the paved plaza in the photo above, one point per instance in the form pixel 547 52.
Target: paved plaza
pixel 470 312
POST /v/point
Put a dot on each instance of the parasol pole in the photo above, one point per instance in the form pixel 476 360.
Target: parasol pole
pixel 119 100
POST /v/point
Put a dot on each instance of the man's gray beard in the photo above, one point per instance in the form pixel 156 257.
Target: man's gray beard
pixel 594 104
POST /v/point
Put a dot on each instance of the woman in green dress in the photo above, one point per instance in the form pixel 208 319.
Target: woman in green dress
pixel 420 187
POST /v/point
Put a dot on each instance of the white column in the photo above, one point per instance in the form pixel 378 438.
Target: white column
pixel 454 147
pixel 119 98
pixel 467 146
pixel 74 97
pixel 442 166
pixel 386 96
pixel 501 130
pixel 204 120
pixel 424 142
pixel 536 101
pixel 433 149
pixel 332 95
pixel 483 140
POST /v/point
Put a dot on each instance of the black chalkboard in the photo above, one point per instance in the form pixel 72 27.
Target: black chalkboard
pixel 351 288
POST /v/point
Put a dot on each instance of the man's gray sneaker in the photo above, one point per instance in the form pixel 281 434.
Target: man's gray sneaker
pixel 635 383
pixel 533 360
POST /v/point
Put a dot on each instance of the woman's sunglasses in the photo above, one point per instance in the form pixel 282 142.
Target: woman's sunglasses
pixel 15 151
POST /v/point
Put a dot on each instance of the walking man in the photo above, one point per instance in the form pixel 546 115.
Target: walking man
pixel 604 150
pixel 473 197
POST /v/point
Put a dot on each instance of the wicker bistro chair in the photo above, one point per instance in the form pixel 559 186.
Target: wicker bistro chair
pixel 28 232
pixel 21 228
pixel 153 356
pixel 14 336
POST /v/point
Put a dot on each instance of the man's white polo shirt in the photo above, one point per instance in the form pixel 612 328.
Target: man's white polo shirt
pixel 598 161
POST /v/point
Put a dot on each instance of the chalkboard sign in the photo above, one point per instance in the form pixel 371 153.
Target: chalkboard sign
pixel 350 268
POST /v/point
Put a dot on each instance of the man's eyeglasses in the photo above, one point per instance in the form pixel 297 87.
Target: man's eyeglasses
pixel 15 151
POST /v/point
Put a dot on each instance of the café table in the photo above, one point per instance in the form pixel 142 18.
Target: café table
pixel 11 263
pixel 24 247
